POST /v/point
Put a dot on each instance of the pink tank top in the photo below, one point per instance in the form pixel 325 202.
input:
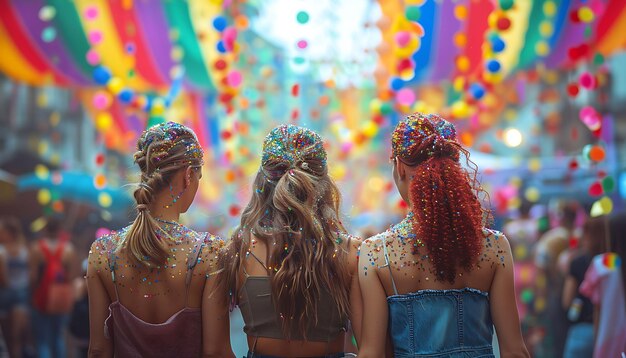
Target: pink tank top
pixel 179 336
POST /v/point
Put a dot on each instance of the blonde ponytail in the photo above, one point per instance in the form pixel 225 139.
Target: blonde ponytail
pixel 163 150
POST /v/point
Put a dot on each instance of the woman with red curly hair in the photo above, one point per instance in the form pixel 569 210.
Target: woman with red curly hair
pixel 438 281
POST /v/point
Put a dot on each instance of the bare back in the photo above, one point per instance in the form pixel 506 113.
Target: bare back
pixel 155 294
pixel 254 266
pixel 414 271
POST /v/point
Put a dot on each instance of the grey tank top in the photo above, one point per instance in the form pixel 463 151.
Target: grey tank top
pixel 179 336
pixel 262 320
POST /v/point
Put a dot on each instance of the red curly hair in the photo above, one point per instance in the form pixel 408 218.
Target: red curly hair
pixel 448 215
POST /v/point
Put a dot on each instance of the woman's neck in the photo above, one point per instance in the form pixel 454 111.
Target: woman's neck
pixel 165 214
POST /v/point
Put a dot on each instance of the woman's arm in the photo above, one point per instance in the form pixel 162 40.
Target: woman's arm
pixel 99 301
pixel 503 306
pixel 3 267
pixel 374 328
pixel 215 320
pixel 569 291
pixel 356 300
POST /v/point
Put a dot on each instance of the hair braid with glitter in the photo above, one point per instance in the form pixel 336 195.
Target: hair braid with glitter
pixel 448 216
pixel 294 210
pixel 162 151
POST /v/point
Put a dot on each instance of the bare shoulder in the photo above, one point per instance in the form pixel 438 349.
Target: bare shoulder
pixel 212 248
pixel 372 248
pixel 101 250
pixel 212 242
pixel 496 247
pixel 348 242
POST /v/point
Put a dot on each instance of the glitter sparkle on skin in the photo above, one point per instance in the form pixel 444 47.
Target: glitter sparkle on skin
pixel 412 253
pixel 183 244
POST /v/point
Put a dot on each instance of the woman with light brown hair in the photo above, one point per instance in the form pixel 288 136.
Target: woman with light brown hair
pixel 147 283
pixel 290 266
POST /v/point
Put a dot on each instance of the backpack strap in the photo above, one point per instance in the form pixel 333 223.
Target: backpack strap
pixel 45 249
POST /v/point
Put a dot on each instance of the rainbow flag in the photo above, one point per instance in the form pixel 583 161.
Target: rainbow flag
pixel 611 260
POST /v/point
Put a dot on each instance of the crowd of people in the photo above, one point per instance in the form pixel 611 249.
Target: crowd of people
pixel 41 292
pixel 563 273
pixel 440 282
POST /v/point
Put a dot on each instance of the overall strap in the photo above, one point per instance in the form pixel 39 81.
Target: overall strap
pixel 191 264
pixel 112 262
pixel 256 338
pixel 393 282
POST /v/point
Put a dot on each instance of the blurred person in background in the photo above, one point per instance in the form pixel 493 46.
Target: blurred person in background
pixel 605 285
pixel 4 352
pixel 579 341
pixel 79 317
pixel 14 295
pixel 52 269
pixel 522 233
pixel 550 279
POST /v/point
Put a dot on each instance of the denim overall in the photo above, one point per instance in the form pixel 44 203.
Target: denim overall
pixel 439 323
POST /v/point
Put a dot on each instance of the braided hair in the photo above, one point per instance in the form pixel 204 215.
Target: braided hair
pixel 162 150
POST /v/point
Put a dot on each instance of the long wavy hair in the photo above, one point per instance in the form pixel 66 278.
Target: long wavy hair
pixel 444 196
pixel 162 151
pixel 294 211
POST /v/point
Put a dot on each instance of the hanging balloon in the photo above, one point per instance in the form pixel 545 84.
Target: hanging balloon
pixel 585 14
pixel 229 36
pixel 590 118
pixel 503 23
pixel 386 108
pixel 405 97
pixel 158 107
pixel 596 189
pixel 101 100
pixel 597 153
pixel 572 89
pixel 608 184
pixel 402 38
pixel 604 206
pixel 396 83
pixel 115 85
pixel 221 47
pixel 505 4
pixel 302 17
pixel 413 13
pixel 105 200
pixel 47 13
pixel 101 75
pixel 220 23
pixel 460 109
pixel 477 90
pixel 493 66
pixel 587 80
pixel 125 96
pixel 497 44
pixel 234 78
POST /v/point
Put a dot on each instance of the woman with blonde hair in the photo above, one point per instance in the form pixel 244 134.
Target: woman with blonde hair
pixel 147 282
pixel 290 266
pixel 438 281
